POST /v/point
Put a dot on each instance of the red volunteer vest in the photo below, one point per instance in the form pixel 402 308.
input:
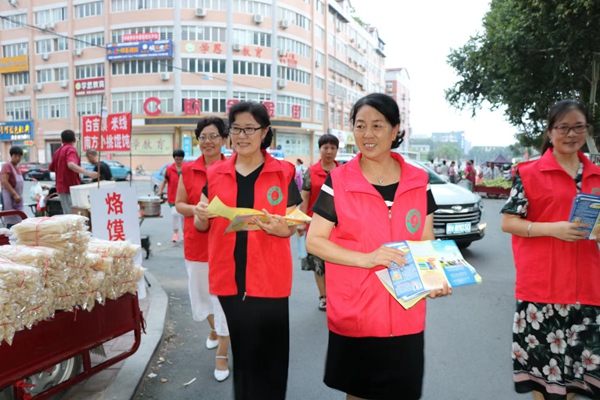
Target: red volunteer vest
pixel 550 270
pixel 269 258
pixel 172 177
pixel 357 303
pixel 317 179
pixel 195 245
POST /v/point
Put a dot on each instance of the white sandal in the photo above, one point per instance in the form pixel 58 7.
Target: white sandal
pixel 221 375
pixel 212 344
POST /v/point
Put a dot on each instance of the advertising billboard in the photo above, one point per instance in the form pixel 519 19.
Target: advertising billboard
pixel 16 130
pixel 14 64
pixel 139 50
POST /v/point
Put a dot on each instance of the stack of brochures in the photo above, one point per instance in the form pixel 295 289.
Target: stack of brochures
pixel 431 263
pixel 586 209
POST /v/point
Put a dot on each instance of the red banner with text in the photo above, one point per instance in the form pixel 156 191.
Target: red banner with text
pixel 115 135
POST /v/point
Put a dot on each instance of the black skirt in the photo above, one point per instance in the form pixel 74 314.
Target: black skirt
pixel 376 368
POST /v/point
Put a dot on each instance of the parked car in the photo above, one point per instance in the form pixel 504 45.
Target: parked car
pixel 119 171
pixel 460 211
pixel 24 167
pixel 277 154
pixel 39 172
pixel 343 158
pixel 86 178
pixel 157 178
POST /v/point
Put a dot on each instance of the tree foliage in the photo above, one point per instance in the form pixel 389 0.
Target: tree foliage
pixel 531 54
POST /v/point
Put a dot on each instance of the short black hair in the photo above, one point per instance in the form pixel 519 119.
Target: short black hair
pixel 16 150
pixel 387 106
pixel 259 113
pixel 67 136
pixel 91 152
pixel 178 153
pixel 208 121
pixel 328 138
pixel 556 113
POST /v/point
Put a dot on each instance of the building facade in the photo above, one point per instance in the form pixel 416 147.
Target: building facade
pixel 169 62
pixel 397 85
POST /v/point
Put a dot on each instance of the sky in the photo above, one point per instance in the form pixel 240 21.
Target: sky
pixel 418 35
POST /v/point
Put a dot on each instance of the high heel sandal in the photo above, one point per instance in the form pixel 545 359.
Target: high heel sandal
pixel 323 303
pixel 211 344
pixel 221 375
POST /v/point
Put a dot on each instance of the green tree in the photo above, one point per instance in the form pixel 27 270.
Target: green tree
pixel 531 54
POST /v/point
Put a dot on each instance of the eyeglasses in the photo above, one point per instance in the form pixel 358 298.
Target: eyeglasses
pixel 212 138
pixel 235 130
pixel 578 129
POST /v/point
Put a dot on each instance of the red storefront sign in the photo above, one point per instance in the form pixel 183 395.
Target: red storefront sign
pixel 115 135
pixel 231 102
pixel 88 86
pixel 140 37
pixel 270 106
pixel 296 111
pixel 191 106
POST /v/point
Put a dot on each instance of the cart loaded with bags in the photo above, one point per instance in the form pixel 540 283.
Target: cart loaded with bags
pixel 62 295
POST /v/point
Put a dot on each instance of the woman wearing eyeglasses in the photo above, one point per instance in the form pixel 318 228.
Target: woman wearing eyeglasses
pixel 251 271
pixel 556 335
pixel 211 134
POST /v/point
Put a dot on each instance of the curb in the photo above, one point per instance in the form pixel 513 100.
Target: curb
pixel 131 374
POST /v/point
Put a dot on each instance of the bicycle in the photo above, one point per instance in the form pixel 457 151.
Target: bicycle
pixel 139 170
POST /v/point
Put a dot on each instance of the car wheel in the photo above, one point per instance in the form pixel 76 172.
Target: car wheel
pixel 463 245
pixel 128 176
pixel 48 378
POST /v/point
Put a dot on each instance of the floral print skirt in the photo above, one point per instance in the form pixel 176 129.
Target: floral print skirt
pixel 556 349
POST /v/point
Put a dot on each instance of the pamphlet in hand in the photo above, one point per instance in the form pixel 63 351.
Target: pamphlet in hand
pixel 242 218
pixel 430 264
pixel 586 209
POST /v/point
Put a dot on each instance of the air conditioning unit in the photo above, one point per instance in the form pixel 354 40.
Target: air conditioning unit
pixel 77 52
pixel 51 26
pixel 165 76
pixel 38 87
pixel 200 12
pixel 11 90
pixel 317 63
pixel 12 2
pixel 64 84
pixel 352 40
pixel 258 19
pixel 236 47
pixel 45 56
pixel 281 52
pixel 281 83
pixel 285 24
pixel 20 88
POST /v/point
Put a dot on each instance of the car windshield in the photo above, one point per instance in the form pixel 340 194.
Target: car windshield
pixel 434 178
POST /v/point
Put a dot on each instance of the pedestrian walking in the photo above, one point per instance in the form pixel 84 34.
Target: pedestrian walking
pixel 172 180
pixel 67 166
pixel 470 175
pixel 251 271
pixel 105 174
pixel 212 135
pixel 556 331
pixel 376 347
pixel 444 169
pixel 313 180
pixel 12 186
pixel 452 172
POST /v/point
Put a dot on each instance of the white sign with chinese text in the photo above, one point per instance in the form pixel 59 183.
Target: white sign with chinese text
pixel 114 215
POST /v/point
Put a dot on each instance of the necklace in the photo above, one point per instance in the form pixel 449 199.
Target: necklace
pixel 371 173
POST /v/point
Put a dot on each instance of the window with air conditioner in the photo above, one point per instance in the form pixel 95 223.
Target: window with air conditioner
pixel 281 83
pixel 258 19
pixel 236 47
pixel 64 84
pixel 165 76
pixel 200 12
pixel 285 24
pixel 38 87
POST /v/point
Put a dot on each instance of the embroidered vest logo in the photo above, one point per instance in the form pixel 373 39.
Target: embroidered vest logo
pixel 413 220
pixel 274 195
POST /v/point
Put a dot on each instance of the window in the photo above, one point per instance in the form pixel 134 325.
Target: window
pixel 319 112
pixel 17 110
pixel 16 78
pixel 133 101
pixel 251 68
pixel 134 5
pixel 194 65
pixel 319 83
pixel 293 46
pixel 252 7
pixel 250 96
pixel 17 49
pixel 293 75
pixel 88 105
pixel 14 21
pixel 294 18
pixel 89 40
pixel 134 67
pixel 44 75
pixel 53 108
pixel 46 46
pixel 320 6
pixel 320 32
pixel 284 106
pixel 88 9
pixel 51 15
pixel 208 4
pixel 165 32
pixel 89 71
pixel 253 38
pixel 213 101
pixel 204 33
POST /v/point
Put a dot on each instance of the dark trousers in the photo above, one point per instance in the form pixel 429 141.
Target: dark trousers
pixel 259 329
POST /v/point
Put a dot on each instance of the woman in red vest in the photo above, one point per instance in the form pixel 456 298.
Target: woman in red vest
pixel 251 271
pixel 212 135
pixel 556 335
pixel 376 347
pixel 311 187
